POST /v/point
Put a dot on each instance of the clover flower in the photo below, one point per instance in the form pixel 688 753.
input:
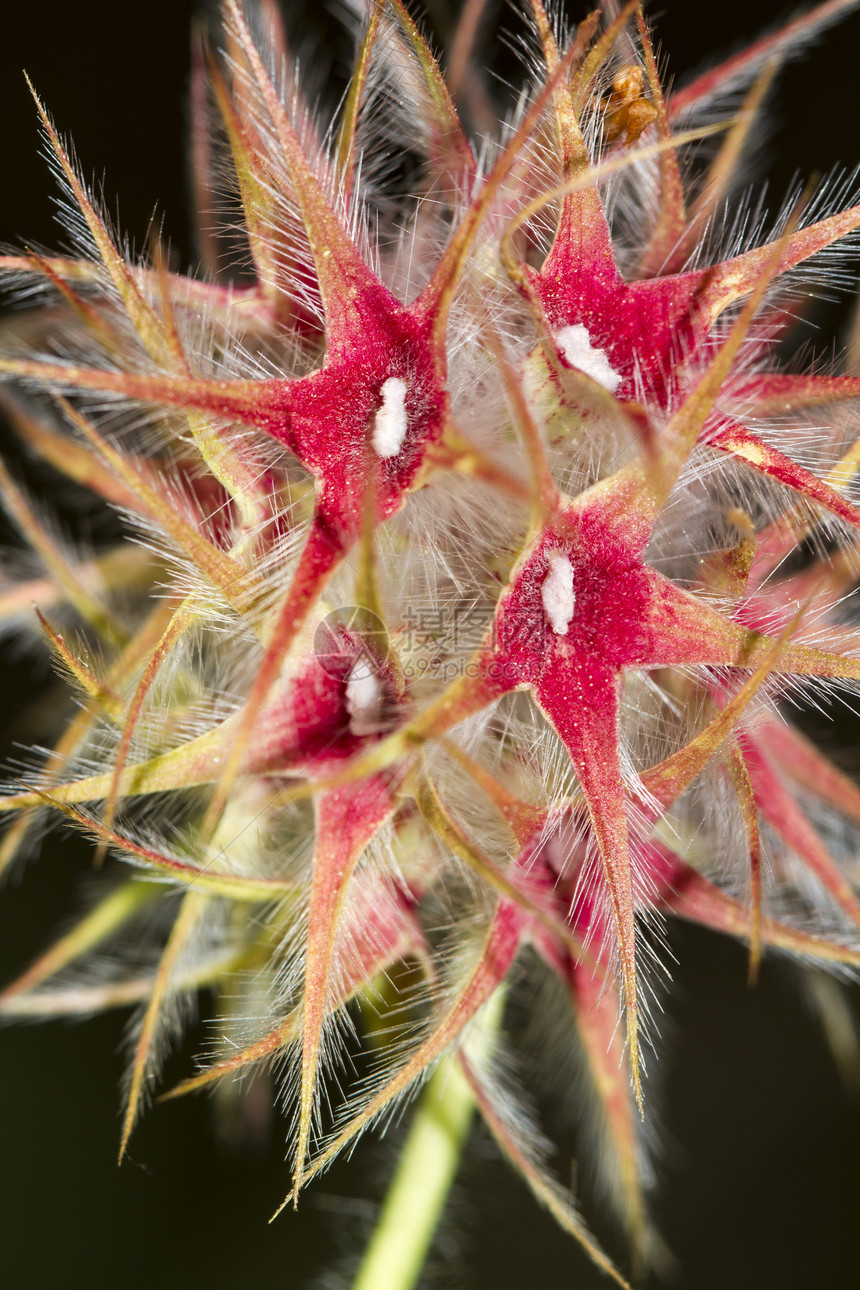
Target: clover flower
pixel 475 548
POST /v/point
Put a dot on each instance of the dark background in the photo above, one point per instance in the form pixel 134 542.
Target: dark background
pixel 760 1185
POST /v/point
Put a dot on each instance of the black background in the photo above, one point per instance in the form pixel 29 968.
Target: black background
pixel 760 1185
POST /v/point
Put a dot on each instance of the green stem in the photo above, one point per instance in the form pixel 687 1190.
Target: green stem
pixel 425 1171
pixel 420 1186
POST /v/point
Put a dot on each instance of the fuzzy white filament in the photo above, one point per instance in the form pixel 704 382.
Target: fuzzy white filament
pixel 557 593
pixel 363 698
pixel 574 345
pixel 389 429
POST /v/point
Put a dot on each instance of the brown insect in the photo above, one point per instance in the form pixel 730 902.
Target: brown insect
pixel 627 111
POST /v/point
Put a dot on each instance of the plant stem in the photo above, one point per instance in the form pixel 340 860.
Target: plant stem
pixel 425 1171
pixel 419 1189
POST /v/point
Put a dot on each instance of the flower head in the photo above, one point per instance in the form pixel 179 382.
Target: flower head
pixel 473 545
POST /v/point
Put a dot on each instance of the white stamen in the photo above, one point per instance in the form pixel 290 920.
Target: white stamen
pixel 363 698
pixel 391 424
pixel 574 345
pixel 557 593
